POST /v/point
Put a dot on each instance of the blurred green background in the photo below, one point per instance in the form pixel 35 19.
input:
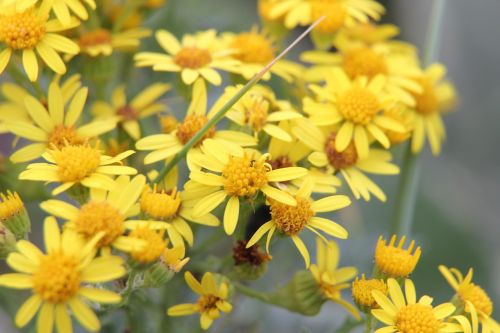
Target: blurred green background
pixel 456 220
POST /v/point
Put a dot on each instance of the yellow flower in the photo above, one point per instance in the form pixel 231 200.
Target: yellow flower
pixel 347 163
pixel 470 324
pixel 174 258
pixel 292 220
pixel 229 170
pixel 362 291
pixel 356 107
pixel 54 125
pixel 404 314
pixel 338 13
pixel 174 208
pixel 259 110
pixel 80 164
pixel 29 31
pixel 393 260
pixel 475 300
pixel 196 56
pixel 141 106
pixel 13 215
pixel 213 299
pixel 366 34
pixel 12 108
pixel 437 97
pixel 255 50
pixel 60 279
pixel 164 146
pixel 106 213
pixel 103 42
pixel 399 68
pixel 156 244
pixel 332 279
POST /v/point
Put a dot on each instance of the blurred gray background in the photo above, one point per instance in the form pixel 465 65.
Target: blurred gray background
pixel 458 206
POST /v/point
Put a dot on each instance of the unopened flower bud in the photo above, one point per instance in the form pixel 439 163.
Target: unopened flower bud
pixel 13 214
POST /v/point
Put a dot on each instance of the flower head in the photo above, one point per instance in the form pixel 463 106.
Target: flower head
pixel 404 314
pixel 393 260
pixel 104 42
pixel 292 220
pixel 213 299
pixel 332 279
pixel 474 298
pixel 29 31
pixel 141 106
pixel 13 214
pixel 362 291
pixel 61 278
pixel 79 164
pixel 195 56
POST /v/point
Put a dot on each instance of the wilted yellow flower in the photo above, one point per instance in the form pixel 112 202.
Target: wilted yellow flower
pixel 213 299
pixel 195 56
pixel 393 260
pixel 31 30
pixel 141 106
pixel 61 279
pixel 362 291
pixel 332 279
pixel 174 258
pixel 474 299
pixel 404 314
pixel 292 220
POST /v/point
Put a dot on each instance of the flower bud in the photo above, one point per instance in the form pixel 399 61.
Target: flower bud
pixel 362 292
pixel 171 262
pixel 250 263
pixel 13 214
pixel 7 242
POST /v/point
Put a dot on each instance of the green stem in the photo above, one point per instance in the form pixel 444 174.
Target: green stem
pixel 251 292
pixel 408 186
pixel 218 116
pixel 369 323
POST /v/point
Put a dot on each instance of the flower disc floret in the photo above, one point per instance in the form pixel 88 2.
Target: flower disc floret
pixel 245 176
pixel 291 219
pixel 394 260
pixel 362 291
pixel 192 57
pixel 22 30
pixel 63 135
pixel 340 160
pixel 190 126
pixel 358 105
pixel 57 278
pixel 10 205
pixel 95 217
pixel 417 318
pixel 76 162
pixel 161 205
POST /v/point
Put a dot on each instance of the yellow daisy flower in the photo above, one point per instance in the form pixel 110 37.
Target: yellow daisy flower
pixel 213 299
pixel 195 56
pixel 400 68
pixel 107 213
pixel 54 125
pixel 339 13
pixel 292 220
pixel 141 106
pixel 164 146
pixel 438 97
pixel 240 174
pixel 394 261
pixel 29 31
pixel 332 279
pixel 255 50
pixel 347 163
pixel 175 209
pixel 61 279
pixel 362 292
pixel 404 314
pixel 287 154
pixel 470 324
pixel 472 296
pixel 79 164
pixel 259 110
pixel 356 107
pixel 104 42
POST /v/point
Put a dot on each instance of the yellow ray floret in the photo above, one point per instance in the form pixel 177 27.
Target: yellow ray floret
pixel 61 279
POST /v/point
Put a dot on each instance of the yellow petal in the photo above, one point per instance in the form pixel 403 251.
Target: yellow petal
pixel 85 315
pixel 21 263
pixel 344 136
pixel 181 310
pixel 51 58
pixel 28 310
pixel 16 281
pixel 45 321
pixel 193 283
pixel 259 233
pixel 302 249
pixel 51 235
pixel 30 64
pixel 285 174
pixel 278 195
pixel 328 226
pixel 231 214
pixel 63 321
pixel 331 203
pixel 100 295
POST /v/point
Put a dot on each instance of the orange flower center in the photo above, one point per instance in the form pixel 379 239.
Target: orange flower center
pixel 253 48
pixel 427 101
pixel 291 219
pixel 208 302
pixel 417 318
pixel 358 105
pixel 63 135
pixel 244 176
pixel 477 296
pixel 334 11
pixel 95 217
pixel 281 162
pixel 362 291
pixel 76 162
pixel 57 278
pixel 22 30
pixel 256 111
pixel 340 160
pixel 364 62
pixel 160 205
pixel 192 57
pixel 97 37
pixel 127 113
pixel 190 126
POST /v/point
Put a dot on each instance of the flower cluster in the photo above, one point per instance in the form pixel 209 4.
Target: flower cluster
pixel 131 178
